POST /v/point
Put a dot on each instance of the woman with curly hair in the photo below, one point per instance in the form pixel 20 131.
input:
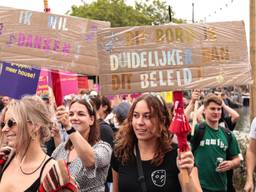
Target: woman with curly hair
pixel 146 142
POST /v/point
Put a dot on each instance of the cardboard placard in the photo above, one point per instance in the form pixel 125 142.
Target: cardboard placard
pixel 49 41
pixel 172 57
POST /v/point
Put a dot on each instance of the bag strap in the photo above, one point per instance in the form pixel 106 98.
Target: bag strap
pixel 229 138
pixel 45 163
pixel 198 136
pixel 141 177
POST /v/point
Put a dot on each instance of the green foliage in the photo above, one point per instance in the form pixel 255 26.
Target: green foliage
pixel 120 14
pixel 239 175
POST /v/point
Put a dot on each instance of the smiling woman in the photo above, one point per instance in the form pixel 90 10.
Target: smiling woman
pixel 25 127
pixel 88 157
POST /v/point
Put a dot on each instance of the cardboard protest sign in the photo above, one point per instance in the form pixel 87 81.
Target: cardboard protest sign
pixel 82 82
pixel 17 80
pixel 49 41
pixel 68 83
pixel 172 57
pixel 43 83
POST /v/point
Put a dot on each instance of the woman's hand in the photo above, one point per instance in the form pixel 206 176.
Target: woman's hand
pixel 248 186
pixel 4 152
pixel 188 176
pixel 62 117
pixel 185 160
pixel 55 130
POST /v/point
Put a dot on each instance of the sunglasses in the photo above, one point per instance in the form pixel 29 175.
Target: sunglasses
pixel 10 123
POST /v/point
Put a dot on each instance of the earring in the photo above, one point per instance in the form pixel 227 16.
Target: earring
pixel 33 135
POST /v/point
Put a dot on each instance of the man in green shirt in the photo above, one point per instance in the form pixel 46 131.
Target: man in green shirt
pixel 211 154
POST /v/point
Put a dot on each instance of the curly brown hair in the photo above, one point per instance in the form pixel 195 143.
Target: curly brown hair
pixel 126 139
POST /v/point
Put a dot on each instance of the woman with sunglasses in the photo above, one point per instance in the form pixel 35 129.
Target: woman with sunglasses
pixel 88 158
pixel 25 127
pixel 144 157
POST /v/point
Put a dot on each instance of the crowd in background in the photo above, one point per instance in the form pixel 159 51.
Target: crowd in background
pixel 123 143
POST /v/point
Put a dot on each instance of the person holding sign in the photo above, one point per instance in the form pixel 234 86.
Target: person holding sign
pixel 144 157
pixel 88 157
pixel 24 166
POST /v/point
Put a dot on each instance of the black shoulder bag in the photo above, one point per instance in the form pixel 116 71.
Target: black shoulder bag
pixel 141 177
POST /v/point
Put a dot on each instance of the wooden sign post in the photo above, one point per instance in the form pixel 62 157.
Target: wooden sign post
pixel 252 58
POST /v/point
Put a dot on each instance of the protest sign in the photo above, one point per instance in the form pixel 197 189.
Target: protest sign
pixel 49 41
pixel 172 57
pixel 68 83
pixel 43 83
pixel 17 80
pixel 82 82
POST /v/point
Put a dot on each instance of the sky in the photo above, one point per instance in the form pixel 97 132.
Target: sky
pixel 209 10
pixel 204 10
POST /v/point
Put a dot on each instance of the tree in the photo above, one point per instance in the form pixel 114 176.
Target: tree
pixel 121 14
pixel 157 11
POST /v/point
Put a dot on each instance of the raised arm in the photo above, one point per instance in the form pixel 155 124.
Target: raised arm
pixel 250 165
pixel 83 148
pixel 234 115
pixel 191 106
pixel 185 162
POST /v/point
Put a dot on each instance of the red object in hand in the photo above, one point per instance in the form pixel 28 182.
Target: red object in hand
pixel 2 161
pixel 180 126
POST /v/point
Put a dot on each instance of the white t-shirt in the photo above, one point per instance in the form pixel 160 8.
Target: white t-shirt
pixel 252 133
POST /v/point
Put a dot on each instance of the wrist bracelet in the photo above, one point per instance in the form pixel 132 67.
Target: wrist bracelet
pixel 71 130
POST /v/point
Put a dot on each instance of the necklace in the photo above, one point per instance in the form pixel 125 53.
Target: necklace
pixel 32 172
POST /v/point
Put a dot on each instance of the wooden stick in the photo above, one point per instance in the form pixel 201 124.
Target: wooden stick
pixel 184 176
pixel 194 117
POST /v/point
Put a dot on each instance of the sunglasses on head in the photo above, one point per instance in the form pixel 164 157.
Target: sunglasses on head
pixel 10 123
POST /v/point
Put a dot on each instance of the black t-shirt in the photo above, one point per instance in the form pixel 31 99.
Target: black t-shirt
pixel 228 122
pixel 106 132
pixel 163 178
pixel 50 146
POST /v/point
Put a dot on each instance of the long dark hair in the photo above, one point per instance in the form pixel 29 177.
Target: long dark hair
pixel 94 134
pixel 126 138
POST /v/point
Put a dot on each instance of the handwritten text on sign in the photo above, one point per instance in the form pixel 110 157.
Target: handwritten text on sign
pixel 49 41
pixel 17 80
pixel 158 58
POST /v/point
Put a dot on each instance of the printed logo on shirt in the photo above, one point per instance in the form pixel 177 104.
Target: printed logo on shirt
pixel 215 142
pixel 159 177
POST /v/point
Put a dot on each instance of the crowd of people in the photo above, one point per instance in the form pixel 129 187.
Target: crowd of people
pixel 94 144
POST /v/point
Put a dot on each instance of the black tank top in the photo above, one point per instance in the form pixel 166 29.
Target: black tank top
pixel 34 187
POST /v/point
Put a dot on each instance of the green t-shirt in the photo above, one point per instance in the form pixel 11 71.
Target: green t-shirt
pixel 212 146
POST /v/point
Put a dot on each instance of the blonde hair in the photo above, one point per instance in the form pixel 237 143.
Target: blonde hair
pixel 2 138
pixel 30 109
